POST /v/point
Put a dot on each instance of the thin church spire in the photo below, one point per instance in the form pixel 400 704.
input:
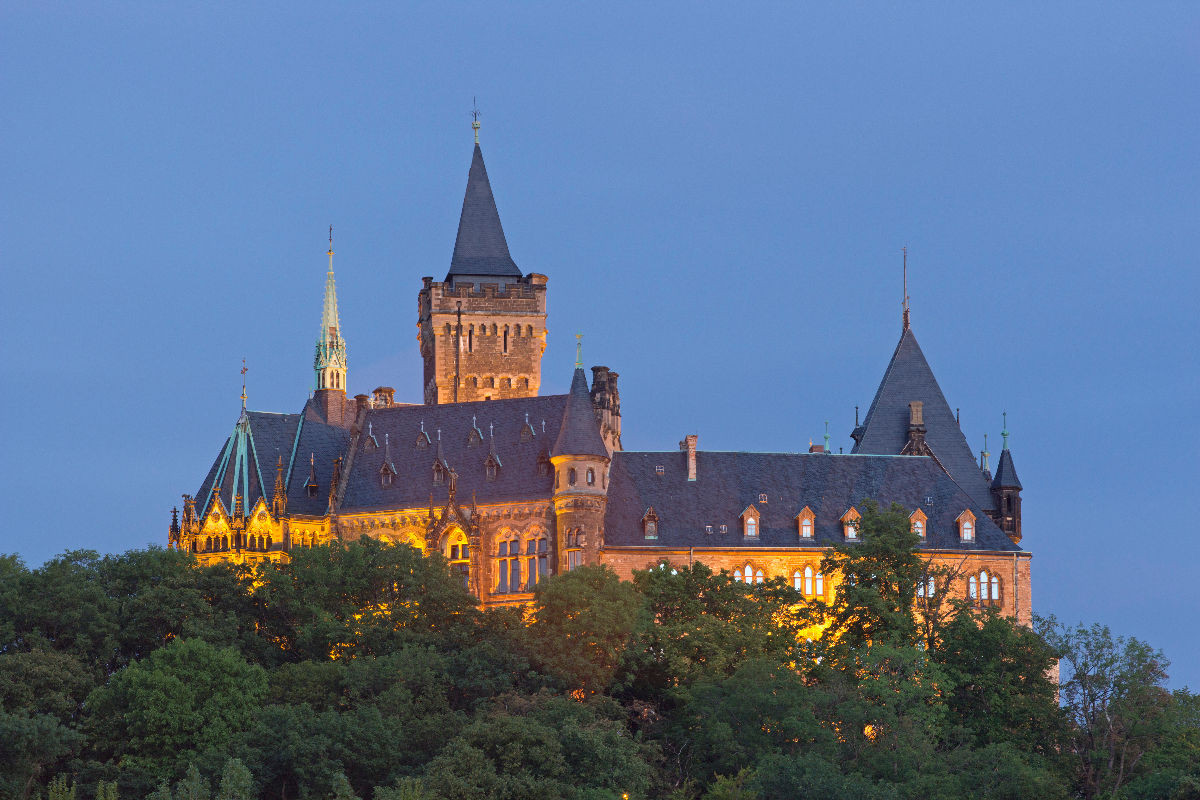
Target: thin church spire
pixel 329 364
pixel 904 302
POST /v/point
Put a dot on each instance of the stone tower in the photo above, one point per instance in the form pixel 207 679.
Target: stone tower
pixel 1006 487
pixel 482 329
pixel 580 460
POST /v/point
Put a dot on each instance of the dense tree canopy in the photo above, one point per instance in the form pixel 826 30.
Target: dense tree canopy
pixel 365 671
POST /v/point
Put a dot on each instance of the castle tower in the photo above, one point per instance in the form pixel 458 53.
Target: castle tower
pixel 482 329
pixel 329 363
pixel 580 460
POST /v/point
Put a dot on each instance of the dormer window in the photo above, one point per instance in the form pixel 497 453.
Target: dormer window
pixel 543 465
pixel 750 520
pixel 386 476
pixel 658 470
pixel 806 522
pixel 918 523
pixel 762 498
pixel 650 523
pixel 966 526
pixel 439 473
pixel 850 521
pixel 491 467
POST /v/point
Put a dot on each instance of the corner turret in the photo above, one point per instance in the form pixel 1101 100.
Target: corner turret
pixel 1006 488
pixel 580 460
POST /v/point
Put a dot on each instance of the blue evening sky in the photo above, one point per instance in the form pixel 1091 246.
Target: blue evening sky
pixel 719 194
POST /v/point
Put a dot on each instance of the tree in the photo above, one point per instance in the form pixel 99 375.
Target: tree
pixel 704 625
pixel 1113 691
pixel 583 621
pixel 341 788
pixel 107 790
pixel 185 700
pixel 1000 687
pixel 29 747
pixel 193 786
pixel 877 586
pixel 236 782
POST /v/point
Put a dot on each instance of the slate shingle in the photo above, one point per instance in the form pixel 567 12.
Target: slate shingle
pixel 480 247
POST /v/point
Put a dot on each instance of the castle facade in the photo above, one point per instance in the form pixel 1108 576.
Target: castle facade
pixel 513 486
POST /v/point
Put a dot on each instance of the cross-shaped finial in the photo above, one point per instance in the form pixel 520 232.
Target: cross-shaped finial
pixel 475 118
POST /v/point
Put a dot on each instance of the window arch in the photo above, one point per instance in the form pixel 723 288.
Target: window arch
pixel 807 523
pixel 591 477
pixel 537 560
pixel 571 477
pixel 458 551
pixel 926 587
pixel 758 576
pixel 650 523
pixel 575 541
pixel 737 574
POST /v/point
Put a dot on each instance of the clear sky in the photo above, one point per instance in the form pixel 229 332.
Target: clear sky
pixel 719 194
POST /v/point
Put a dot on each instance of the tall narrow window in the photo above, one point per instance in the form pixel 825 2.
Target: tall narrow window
pixel 973 588
pixel 505 338
pixel 995 589
pixel 471 339
pixel 751 526
pixel 591 477
pixel 798 582
pixel 806 528
pixel 737 574
pixel 820 585
pixel 758 576
pixel 808 581
pixel 966 526
pixel 571 477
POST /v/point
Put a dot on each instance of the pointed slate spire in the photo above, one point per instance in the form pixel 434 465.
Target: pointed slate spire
pixel 1006 472
pixel 480 247
pixel 580 432
pixel 885 431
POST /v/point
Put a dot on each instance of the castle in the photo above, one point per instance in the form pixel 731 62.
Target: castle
pixel 512 486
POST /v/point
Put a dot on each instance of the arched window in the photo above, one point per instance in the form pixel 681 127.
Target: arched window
pixel 758 576
pixel 749 572
pixel 806 528
pixel 737 574
pixel 751 526
pixel 820 585
pixel 798 582
pixel 973 588
pixel 995 589
pixel 591 477
pixel 850 524
pixel 571 477
pixel 918 521
pixel 471 339
pixel 505 338
pixel 968 531
pixel 439 472
pixel 529 330
pixel 269 542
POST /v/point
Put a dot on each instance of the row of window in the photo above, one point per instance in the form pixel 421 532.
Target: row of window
pixel 220 543
pixel 469 341
pixel 806 524
pixel 983 589
pixel 589 477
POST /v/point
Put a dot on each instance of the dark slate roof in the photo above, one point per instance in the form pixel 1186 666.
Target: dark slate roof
pixel 580 433
pixel 727 483
pixel 885 430
pixel 1006 473
pixel 266 437
pixel 316 447
pixel 517 480
pixel 480 248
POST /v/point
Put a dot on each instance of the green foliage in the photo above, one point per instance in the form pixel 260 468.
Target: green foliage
pixel 186 700
pixel 366 671
pixel 60 789
pixel 583 623
pixel 876 599
pixel 236 782
pixel 1113 691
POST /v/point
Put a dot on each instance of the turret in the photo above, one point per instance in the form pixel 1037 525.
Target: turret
pixel 580 460
pixel 1006 488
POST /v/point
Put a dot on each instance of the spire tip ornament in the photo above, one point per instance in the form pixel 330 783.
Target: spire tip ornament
pixel 904 302
pixel 579 351
pixel 475 118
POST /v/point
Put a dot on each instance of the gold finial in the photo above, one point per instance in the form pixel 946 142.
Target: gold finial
pixel 904 303
pixel 475 119
pixel 329 252
pixel 244 370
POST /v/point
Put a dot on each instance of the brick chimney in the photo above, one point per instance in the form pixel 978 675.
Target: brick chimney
pixel 689 445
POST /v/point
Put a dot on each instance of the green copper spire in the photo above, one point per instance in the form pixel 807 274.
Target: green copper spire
pixel 827 450
pixel 330 360
pixel 579 351
pixel 1004 432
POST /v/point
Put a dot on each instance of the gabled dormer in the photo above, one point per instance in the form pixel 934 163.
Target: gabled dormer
pixel 650 524
pixel 806 524
pixel 850 525
pixel 387 470
pixel 919 524
pixel 751 518
pixel 966 526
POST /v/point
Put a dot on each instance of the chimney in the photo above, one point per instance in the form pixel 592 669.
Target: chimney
pixel 916 416
pixel 689 444
pixel 383 396
pixel 816 448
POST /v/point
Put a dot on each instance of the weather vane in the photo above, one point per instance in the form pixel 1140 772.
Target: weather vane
pixel 245 369
pixel 475 118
